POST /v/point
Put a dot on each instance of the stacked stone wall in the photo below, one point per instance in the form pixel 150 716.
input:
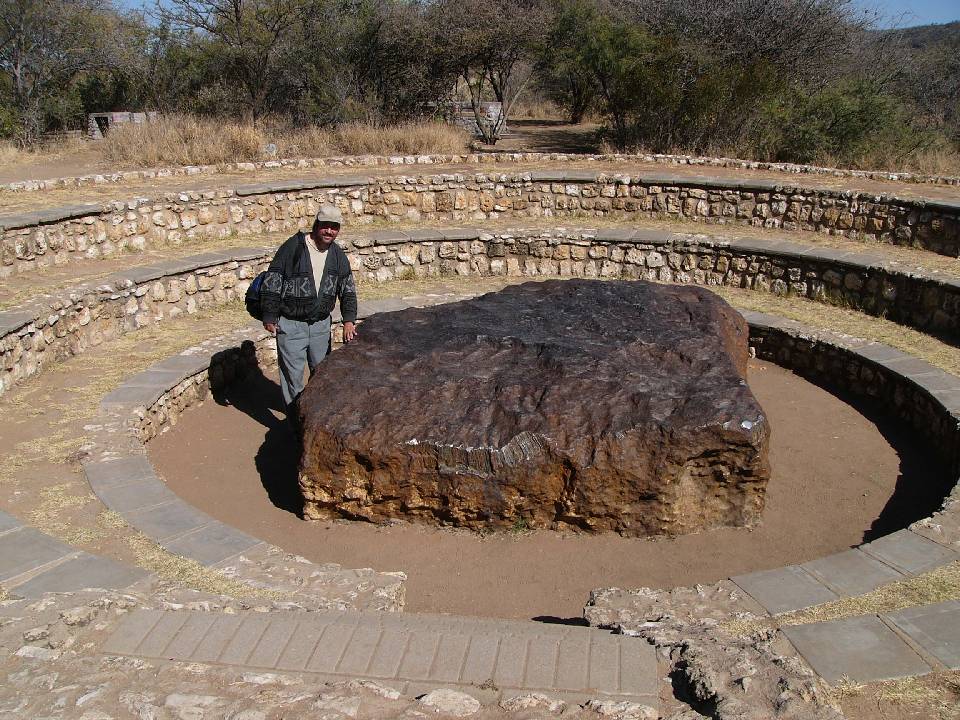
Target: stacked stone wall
pixel 898 385
pixel 227 366
pixel 51 237
pixel 53 329
pixel 930 304
pixel 468 159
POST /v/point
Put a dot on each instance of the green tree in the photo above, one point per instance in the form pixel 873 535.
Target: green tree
pixel 45 46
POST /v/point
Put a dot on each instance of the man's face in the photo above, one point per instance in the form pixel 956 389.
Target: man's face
pixel 324 234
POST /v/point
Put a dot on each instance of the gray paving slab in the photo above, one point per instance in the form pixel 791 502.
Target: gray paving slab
pixel 214 641
pixel 481 659
pixel 451 653
pixel 935 628
pixel 187 364
pixel 8 522
pixel 547 176
pixel 616 235
pixel 133 395
pixel 300 647
pixel 191 634
pixel 139 274
pixel 245 640
pixel 389 237
pixel 909 553
pixel 653 237
pixel 13 320
pixel 936 381
pixel 168 520
pixel 131 631
pixel 27 549
pixel 784 589
pixel 136 495
pixel 463 233
pixel 425 234
pixel 862 649
pixel 603 670
pixel 79 573
pixel 910 366
pixel 580 176
pixel 881 353
pixel 851 572
pixel 211 543
pixel 155 377
pixel 401 648
pixel 105 474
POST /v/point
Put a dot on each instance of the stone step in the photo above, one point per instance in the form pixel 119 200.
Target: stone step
pixel 871 648
pixel 410 652
pixel 33 563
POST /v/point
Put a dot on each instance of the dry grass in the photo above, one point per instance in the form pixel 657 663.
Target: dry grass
pixel 190 140
pixel 928 161
pixel 935 586
pixel 11 154
pixel 847 322
pixel 933 697
pixel 928 588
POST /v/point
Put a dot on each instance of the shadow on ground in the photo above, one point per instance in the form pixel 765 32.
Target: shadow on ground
pixel 924 479
pixel 921 486
pixel 277 458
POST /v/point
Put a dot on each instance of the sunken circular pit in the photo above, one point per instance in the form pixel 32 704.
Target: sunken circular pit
pixel 843 472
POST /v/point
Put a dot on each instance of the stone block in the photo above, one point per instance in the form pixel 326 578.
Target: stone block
pixel 104 474
pixel 935 628
pixel 79 573
pixel 851 572
pixel 211 544
pixel 862 649
pixel 26 549
pixel 784 589
pixel 909 553
pixel 168 520
pixel 137 495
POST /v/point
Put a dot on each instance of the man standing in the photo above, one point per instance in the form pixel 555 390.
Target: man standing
pixel 308 275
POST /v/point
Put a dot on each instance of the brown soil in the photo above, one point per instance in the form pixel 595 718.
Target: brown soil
pixel 838 479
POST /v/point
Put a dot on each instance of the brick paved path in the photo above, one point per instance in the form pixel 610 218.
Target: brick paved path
pixel 412 652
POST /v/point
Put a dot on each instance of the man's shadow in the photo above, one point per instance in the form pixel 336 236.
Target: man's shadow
pixel 278 457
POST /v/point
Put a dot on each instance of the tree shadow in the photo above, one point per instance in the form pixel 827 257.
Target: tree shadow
pixel 278 456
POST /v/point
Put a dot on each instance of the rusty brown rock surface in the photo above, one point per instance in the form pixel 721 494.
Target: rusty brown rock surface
pixel 601 406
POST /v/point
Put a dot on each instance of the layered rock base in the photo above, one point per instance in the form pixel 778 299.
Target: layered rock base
pixel 601 406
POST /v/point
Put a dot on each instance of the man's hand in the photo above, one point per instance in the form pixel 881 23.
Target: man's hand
pixel 270 328
pixel 349 332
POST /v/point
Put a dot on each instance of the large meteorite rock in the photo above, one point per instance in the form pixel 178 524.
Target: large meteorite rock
pixel 585 404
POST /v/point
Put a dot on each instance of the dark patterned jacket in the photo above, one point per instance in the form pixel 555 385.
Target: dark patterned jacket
pixel 288 289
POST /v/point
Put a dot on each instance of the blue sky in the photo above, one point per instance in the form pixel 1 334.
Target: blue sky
pixel 901 14
pixel 923 12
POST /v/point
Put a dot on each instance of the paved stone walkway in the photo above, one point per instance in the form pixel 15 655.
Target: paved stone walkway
pixel 33 563
pixel 868 648
pixel 412 652
pixel 849 573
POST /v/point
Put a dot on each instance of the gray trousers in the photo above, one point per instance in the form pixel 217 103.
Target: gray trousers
pixel 299 343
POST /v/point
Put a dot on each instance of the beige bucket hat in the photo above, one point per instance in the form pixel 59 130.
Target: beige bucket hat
pixel 329 214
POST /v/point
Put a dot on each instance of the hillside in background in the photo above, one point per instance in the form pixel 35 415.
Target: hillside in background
pixel 925 36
